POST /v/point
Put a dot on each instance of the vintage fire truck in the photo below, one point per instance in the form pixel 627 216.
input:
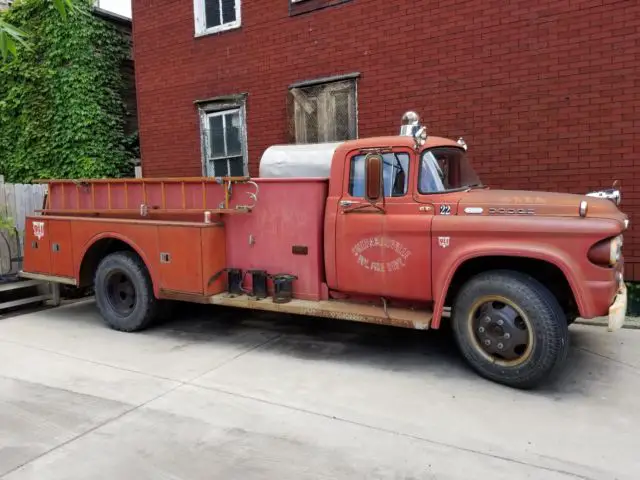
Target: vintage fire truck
pixel 392 230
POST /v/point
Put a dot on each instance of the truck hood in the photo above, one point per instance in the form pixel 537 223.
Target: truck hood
pixel 522 202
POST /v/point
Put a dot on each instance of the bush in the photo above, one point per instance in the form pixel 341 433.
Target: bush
pixel 61 111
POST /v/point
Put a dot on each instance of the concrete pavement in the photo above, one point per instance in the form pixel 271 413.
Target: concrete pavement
pixel 218 393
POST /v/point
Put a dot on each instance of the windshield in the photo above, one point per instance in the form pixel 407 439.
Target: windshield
pixel 446 168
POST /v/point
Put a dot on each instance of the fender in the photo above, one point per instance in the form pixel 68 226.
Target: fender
pixel 442 281
pixel 116 236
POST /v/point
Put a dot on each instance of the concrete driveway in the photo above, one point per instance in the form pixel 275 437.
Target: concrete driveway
pixel 223 394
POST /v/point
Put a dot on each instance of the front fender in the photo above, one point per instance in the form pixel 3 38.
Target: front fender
pixel 443 277
pixel 561 241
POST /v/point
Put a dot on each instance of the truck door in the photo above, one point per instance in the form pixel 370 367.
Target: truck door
pixel 383 250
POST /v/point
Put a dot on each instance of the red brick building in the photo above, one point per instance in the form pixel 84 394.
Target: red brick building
pixel 546 93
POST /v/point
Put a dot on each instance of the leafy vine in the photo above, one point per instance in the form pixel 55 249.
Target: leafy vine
pixel 61 110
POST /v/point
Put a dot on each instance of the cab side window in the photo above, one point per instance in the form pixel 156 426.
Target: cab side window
pixel 395 171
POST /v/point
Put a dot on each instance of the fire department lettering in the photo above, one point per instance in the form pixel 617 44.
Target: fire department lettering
pixel 38 230
pixel 360 252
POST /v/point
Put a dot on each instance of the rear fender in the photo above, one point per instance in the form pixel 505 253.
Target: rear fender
pixel 94 241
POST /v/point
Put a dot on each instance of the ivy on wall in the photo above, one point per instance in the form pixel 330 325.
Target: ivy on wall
pixel 61 111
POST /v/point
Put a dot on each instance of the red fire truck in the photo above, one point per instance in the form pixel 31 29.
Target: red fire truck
pixel 392 230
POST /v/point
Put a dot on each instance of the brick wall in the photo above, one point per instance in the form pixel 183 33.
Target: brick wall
pixel 546 92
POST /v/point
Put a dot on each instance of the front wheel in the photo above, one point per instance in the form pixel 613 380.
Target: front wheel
pixel 124 292
pixel 510 328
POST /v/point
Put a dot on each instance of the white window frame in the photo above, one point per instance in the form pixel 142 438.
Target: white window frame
pixel 214 109
pixel 201 21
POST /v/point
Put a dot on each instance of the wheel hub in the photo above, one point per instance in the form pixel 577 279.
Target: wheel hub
pixel 501 331
pixel 121 293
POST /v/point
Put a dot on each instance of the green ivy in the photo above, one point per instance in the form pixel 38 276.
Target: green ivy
pixel 61 111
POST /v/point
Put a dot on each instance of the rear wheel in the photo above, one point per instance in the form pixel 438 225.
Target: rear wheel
pixel 124 293
pixel 510 328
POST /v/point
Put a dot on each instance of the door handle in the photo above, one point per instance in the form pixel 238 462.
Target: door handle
pixel 346 203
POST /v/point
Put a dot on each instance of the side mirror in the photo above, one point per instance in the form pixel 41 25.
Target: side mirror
pixel 373 177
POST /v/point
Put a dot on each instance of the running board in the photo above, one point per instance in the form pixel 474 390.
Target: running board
pixel 340 310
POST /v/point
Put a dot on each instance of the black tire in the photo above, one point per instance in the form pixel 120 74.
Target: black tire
pixel 533 305
pixel 119 274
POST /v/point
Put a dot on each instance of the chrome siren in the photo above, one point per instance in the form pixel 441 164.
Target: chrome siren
pixel 411 128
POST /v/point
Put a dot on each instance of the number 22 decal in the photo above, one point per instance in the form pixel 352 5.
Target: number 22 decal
pixel 445 209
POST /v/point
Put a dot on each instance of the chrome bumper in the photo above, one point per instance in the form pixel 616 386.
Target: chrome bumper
pixel 618 310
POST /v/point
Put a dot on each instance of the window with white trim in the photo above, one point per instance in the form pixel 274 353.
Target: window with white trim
pixel 224 141
pixel 213 16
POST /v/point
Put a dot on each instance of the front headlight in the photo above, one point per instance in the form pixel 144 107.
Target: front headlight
pixel 606 252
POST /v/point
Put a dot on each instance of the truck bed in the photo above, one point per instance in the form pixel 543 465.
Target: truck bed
pixel 164 221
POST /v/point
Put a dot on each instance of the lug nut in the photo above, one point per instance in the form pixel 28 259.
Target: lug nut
pixel 487 319
pixel 481 330
pixel 500 322
pixel 507 336
pixel 500 346
pixel 487 342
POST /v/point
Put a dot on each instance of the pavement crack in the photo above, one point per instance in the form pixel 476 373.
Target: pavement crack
pixel 620 362
pixel 92 362
pixel 395 432
pixel 91 430
pixel 178 384
pixel 235 357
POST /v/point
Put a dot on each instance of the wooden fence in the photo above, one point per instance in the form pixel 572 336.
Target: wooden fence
pixel 16 202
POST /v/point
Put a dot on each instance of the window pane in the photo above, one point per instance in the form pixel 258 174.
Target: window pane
pixel 228 11
pixel 236 165
pixel 220 168
pixel 216 134
pixel 341 123
pixel 356 179
pixel 306 111
pixel 395 173
pixel 212 13
pixel 234 144
pixel 311 125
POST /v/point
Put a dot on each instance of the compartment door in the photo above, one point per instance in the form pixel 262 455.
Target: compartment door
pixel 180 262
pixel 61 251
pixel 37 249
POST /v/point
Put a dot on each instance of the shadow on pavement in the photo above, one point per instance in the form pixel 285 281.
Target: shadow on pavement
pixel 387 348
